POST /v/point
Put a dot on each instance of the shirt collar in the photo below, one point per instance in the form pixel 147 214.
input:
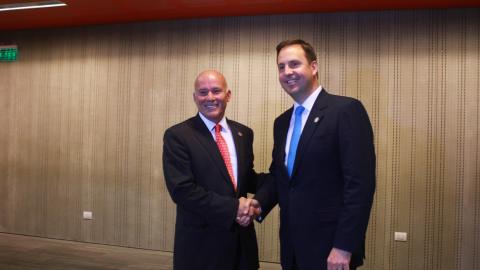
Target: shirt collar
pixel 211 125
pixel 308 103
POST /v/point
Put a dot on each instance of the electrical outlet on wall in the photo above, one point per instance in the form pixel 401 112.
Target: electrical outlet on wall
pixel 401 236
pixel 87 215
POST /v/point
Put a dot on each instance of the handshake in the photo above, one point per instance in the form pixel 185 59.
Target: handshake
pixel 248 210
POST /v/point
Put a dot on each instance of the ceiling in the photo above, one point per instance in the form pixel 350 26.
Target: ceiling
pixel 89 12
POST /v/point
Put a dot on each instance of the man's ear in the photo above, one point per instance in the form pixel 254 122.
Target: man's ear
pixel 229 94
pixel 314 66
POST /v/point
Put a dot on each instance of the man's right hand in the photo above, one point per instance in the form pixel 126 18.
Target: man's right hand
pixel 248 209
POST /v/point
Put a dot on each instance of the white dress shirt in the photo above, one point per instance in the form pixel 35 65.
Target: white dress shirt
pixel 307 104
pixel 227 135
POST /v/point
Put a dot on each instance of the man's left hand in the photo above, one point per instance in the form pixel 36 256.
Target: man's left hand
pixel 339 259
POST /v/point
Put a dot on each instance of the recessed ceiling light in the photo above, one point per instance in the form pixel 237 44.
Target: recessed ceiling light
pixel 30 5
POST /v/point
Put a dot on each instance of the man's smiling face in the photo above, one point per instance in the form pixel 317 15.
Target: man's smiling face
pixel 211 95
pixel 296 75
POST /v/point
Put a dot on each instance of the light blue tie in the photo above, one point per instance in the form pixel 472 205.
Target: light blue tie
pixel 297 131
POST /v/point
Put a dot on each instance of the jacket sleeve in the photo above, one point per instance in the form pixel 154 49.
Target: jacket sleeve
pixel 266 196
pixel 357 157
pixel 211 207
pixel 254 180
pixel 267 192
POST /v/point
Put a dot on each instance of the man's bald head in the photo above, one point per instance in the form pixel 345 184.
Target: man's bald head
pixel 211 95
pixel 210 73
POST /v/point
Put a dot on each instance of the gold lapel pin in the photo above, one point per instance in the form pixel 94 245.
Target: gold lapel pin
pixel 316 119
pixel 240 134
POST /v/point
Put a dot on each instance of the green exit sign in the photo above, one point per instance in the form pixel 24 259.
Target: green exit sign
pixel 8 53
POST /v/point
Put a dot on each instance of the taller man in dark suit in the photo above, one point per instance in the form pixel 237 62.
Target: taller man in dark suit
pixel 208 167
pixel 323 169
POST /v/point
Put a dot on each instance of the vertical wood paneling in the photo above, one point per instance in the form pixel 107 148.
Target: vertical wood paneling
pixel 84 110
pixel 474 112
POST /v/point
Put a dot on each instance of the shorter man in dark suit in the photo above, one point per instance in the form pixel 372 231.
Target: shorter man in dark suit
pixel 323 169
pixel 208 168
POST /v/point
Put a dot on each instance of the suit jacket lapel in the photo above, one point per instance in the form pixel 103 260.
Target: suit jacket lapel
pixel 208 143
pixel 283 125
pixel 314 119
pixel 239 147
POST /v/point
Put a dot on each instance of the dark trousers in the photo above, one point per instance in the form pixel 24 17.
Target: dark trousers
pixel 241 262
pixel 295 266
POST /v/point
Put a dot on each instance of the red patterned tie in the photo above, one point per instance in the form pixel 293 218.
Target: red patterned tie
pixel 223 147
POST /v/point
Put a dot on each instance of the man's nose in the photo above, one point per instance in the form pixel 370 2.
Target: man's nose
pixel 288 70
pixel 210 95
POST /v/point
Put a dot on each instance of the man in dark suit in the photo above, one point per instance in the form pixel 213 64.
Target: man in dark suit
pixel 322 171
pixel 208 168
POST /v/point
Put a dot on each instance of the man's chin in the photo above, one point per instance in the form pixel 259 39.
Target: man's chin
pixel 214 117
pixel 290 90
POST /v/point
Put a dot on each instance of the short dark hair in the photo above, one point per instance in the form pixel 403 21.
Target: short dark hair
pixel 307 48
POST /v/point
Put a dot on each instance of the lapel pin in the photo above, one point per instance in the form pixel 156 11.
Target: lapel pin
pixel 240 134
pixel 316 119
